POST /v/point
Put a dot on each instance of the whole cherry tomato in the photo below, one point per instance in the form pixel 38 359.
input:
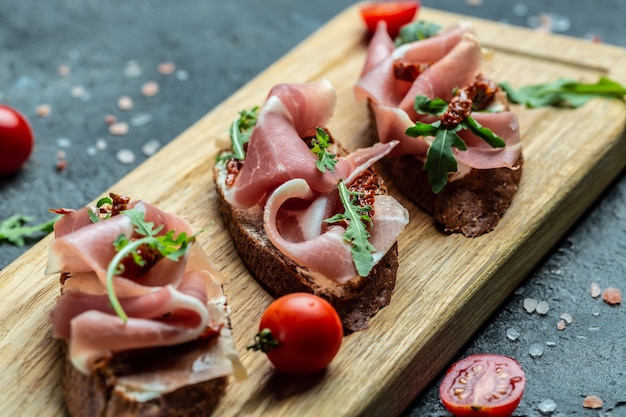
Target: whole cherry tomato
pixel 395 13
pixel 16 140
pixel 301 333
pixel 483 385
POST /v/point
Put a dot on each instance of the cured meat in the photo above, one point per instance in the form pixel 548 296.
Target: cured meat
pixel 280 169
pixel 172 304
pixel 452 61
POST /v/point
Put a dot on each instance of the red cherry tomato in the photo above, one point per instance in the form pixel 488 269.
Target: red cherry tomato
pixel 301 333
pixel 16 140
pixel 483 385
pixel 395 13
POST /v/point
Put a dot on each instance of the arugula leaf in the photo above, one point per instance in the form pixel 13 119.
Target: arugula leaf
pixel 14 229
pixel 240 131
pixel 440 158
pixel 483 132
pixel 416 31
pixel 424 105
pixel 325 160
pixel 356 233
pixel 93 216
pixel 166 244
pixel 563 92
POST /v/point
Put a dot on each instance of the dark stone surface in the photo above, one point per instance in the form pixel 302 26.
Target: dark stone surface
pixel 217 46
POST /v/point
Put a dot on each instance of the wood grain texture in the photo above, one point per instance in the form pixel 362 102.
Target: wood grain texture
pixel 447 285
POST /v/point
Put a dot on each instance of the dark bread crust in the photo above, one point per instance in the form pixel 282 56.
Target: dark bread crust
pixel 95 394
pixel 471 205
pixel 356 301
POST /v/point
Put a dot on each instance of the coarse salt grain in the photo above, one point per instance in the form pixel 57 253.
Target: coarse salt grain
pixel 132 69
pixel 530 304
pixel 63 142
pixel 166 68
pixel 110 119
pixel 612 295
pixel 560 325
pixel 125 156
pixel 542 307
pixel 63 70
pixel 101 144
pixel 140 119
pixel 125 103
pixel 43 110
pixel 567 317
pixel 118 128
pixel 535 350
pixel 150 89
pixel 593 401
pixel 547 407
pixel 149 148
pixel 182 75
pixel 512 334
pixel 595 290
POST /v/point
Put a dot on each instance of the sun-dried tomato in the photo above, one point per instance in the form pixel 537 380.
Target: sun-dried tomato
pixel 233 166
pixel 408 71
pixel 476 96
pixel 119 203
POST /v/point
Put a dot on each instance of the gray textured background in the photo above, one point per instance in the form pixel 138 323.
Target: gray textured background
pixel 217 46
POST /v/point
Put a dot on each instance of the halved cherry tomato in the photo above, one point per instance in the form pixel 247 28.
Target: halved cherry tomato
pixel 395 13
pixel 301 333
pixel 16 140
pixel 483 385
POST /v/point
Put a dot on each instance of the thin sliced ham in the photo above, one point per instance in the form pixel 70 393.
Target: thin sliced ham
pixel 453 59
pixel 175 302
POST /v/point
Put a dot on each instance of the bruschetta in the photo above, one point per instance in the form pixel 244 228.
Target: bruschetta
pixel 142 318
pixel 304 214
pixel 459 155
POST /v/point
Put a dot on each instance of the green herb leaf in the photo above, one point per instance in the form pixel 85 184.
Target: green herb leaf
pixel 424 105
pixel 416 31
pixel 423 129
pixel 325 159
pixel 440 158
pixel 14 229
pixel 482 132
pixel 356 233
pixel 168 245
pixel 240 131
pixel 563 92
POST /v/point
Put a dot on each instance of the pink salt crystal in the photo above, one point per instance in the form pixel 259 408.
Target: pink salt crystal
pixel 43 110
pixel 593 401
pixel 561 325
pixel 150 89
pixel 63 70
pixel 125 103
pixel 612 295
pixel 118 128
pixel 166 68
pixel 110 119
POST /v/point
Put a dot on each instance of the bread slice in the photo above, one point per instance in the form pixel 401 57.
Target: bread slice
pixel 98 394
pixel 471 205
pixel 356 301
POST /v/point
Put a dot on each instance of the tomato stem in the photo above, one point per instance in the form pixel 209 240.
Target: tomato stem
pixel 263 341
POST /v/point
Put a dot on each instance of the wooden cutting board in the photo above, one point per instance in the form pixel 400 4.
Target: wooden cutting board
pixel 447 286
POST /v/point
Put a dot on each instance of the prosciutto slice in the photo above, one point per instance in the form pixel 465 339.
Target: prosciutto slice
pixel 280 169
pixel 170 305
pixel 451 60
